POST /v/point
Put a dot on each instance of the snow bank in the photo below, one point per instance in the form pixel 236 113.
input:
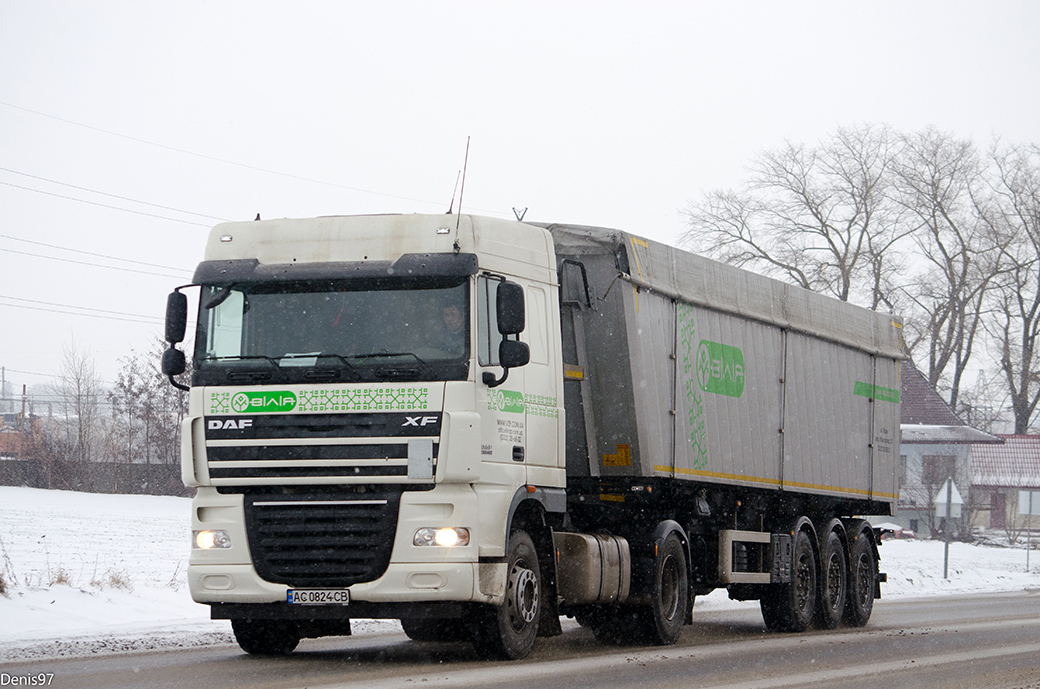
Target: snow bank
pixel 88 573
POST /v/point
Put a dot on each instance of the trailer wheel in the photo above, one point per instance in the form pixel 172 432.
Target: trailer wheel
pixel 833 582
pixel 265 637
pixel 790 607
pixel 508 631
pixel 435 630
pixel 669 594
pixel 862 581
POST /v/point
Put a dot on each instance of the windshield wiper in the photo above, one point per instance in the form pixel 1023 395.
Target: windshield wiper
pixel 343 360
pixel 387 372
pixel 243 357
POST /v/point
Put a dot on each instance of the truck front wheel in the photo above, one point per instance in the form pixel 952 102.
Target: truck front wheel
pixel 669 594
pixel 508 631
pixel 266 637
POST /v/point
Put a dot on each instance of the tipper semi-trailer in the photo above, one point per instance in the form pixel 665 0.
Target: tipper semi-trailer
pixel 477 426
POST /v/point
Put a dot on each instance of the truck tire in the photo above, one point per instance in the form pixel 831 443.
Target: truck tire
pixel 266 637
pixel 834 582
pixel 507 632
pixel 663 620
pixel 790 607
pixel 862 580
pixel 435 630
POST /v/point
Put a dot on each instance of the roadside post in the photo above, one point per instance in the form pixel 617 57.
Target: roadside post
pixel 949 498
pixel 1025 506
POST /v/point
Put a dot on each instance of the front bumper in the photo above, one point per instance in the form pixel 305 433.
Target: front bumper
pixel 409 583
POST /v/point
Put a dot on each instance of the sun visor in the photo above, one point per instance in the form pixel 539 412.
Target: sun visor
pixel 224 272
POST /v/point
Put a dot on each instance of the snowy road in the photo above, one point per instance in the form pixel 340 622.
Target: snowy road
pixel 96 588
pixel 989 641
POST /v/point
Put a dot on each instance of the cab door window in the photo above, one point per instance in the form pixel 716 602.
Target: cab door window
pixel 488 337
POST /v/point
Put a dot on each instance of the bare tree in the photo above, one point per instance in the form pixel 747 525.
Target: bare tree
pixel 79 396
pixel 982 405
pixel 164 407
pixel 128 399
pixel 818 217
pixel 938 181
pixel 1015 211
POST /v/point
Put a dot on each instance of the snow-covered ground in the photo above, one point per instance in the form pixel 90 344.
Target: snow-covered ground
pixel 87 573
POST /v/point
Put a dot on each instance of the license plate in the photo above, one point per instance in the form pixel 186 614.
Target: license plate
pixel 319 597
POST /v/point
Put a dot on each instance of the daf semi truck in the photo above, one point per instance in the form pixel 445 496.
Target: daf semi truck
pixel 477 426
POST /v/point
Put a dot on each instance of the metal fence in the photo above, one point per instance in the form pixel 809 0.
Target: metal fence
pixel 94 477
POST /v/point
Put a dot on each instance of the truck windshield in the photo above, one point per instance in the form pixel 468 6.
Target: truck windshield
pixel 377 330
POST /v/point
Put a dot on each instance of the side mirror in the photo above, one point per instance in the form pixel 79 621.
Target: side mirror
pixel 509 308
pixel 509 311
pixel 513 353
pixel 176 317
pixel 173 362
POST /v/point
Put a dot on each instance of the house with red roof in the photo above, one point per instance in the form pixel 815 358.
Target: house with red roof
pixel 999 475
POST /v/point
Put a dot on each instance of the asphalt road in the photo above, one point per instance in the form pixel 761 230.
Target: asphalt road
pixel 990 641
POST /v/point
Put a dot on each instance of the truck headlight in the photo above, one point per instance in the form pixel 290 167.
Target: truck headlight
pixel 446 536
pixel 210 539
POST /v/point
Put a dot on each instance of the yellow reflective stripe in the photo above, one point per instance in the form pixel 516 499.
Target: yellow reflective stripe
pixel 770 481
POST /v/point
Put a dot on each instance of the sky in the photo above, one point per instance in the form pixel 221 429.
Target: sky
pixel 127 129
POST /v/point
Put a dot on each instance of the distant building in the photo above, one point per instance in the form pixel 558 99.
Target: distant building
pixel 936 445
pixel 14 428
pixel 999 473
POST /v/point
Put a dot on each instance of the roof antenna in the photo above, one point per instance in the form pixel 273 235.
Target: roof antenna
pixel 451 206
pixel 458 219
pixel 520 213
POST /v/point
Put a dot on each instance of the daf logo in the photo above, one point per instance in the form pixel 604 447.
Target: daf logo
pixel 229 424
pixel 419 420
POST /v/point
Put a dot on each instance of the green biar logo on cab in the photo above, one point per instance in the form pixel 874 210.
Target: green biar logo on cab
pixel 506 401
pixel 266 402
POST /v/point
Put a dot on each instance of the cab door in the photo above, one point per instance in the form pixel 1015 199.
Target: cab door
pixel 503 418
pixel 542 378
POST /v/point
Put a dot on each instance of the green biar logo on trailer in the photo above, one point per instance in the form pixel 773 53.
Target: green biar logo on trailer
pixel 720 369
pixel 697 439
pixel 877 392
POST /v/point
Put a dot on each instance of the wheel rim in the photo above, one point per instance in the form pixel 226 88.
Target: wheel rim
pixel 803 582
pixel 835 581
pixel 863 580
pixel 522 597
pixel 669 597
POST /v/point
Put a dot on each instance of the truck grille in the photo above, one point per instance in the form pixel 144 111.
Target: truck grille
pixel 315 448
pixel 322 540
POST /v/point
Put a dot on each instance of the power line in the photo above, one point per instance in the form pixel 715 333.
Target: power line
pixel 31 373
pixel 228 162
pixel 79 311
pixel 91 253
pixel 83 308
pixel 95 265
pixel 104 205
pixel 114 196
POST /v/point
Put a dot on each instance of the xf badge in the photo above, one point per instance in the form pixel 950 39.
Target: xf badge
pixel 418 421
